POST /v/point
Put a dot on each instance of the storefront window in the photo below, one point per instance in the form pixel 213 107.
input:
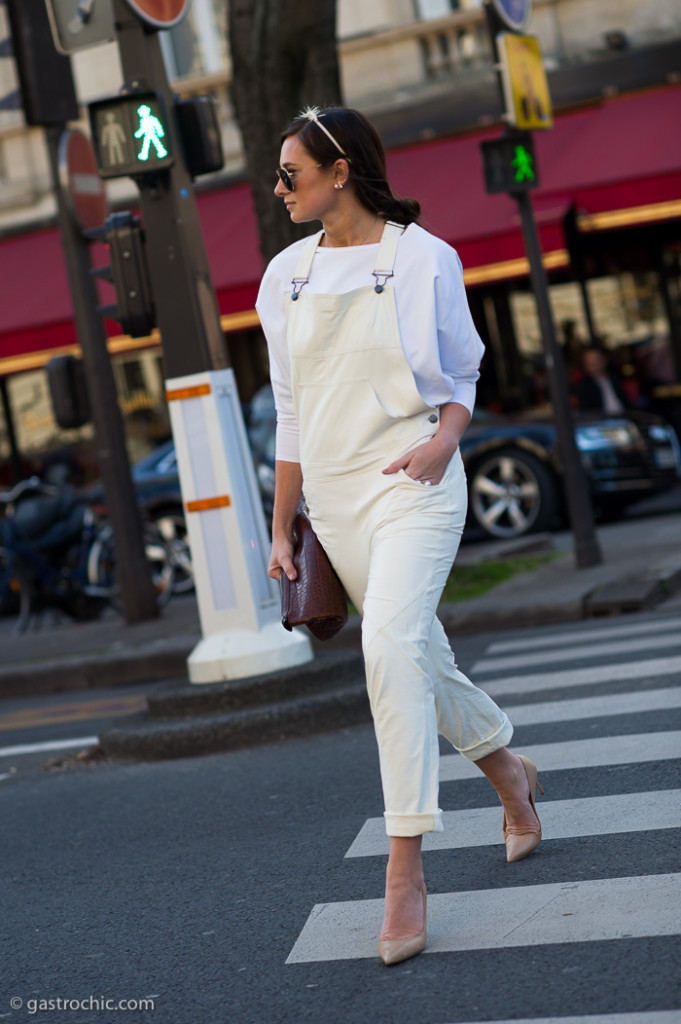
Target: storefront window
pixel 629 321
pixel 39 438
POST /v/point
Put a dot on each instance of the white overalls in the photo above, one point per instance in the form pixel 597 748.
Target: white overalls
pixel 391 539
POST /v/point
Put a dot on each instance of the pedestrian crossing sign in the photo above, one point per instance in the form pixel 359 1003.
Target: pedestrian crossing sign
pixel 130 135
pixel 525 87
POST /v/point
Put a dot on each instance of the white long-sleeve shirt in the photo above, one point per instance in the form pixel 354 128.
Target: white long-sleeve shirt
pixel 439 339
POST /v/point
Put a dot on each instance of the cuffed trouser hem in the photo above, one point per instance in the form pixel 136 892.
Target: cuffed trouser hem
pixel 501 738
pixel 405 825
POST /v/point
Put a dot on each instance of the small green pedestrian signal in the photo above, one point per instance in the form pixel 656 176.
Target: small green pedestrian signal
pixel 131 135
pixel 523 165
pixel 152 131
pixel 509 163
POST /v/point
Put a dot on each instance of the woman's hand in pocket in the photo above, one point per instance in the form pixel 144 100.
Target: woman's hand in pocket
pixel 427 463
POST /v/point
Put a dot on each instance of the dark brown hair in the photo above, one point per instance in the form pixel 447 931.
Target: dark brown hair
pixel 363 149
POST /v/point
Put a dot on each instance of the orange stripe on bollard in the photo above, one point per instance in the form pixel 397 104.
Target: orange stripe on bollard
pixel 203 504
pixel 179 393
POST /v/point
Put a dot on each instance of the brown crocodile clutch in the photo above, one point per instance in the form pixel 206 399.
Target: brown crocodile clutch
pixel 316 598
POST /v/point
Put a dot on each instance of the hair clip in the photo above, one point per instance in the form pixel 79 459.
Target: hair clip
pixel 313 114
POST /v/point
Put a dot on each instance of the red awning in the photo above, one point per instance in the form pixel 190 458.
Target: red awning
pixel 621 154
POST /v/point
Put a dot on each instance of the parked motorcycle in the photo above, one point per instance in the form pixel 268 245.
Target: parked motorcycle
pixel 57 552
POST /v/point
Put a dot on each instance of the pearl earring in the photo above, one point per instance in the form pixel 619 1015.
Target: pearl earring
pixel 339 184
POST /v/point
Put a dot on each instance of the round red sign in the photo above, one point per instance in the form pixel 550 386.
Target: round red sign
pixel 80 180
pixel 160 13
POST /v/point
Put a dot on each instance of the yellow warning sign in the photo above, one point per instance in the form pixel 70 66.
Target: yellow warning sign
pixel 526 90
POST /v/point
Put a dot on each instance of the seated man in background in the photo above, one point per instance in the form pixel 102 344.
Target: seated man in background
pixel 600 389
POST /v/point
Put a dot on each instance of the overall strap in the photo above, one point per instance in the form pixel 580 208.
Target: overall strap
pixel 387 251
pixel 304 265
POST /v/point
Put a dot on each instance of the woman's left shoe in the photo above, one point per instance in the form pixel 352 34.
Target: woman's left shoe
pixel 393 951
pixel 520 841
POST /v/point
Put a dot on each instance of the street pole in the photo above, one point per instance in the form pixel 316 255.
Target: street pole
pixel 239 605
pixel 580 510
pixel 587 548
pixel 133 574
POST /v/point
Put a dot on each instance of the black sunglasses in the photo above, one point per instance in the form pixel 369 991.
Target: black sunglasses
pixel 286 177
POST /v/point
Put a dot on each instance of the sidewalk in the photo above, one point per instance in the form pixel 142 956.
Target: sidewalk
pixel 641 569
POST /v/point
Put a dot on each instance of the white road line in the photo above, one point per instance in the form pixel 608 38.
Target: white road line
pixel 587 635
pixel 530 683
pixel 558 655
pixel 561 819
pixel 534 915
pixel 41 748
pixel 591 753
pixel 647 1017
pixel 594 707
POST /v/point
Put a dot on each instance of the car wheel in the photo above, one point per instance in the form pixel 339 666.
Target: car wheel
pixel 172 526
pixel 511 494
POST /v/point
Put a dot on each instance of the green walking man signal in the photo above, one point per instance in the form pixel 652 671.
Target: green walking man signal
pixel 130 135
pixel 509 163
pixel 151 131
pixel 523 165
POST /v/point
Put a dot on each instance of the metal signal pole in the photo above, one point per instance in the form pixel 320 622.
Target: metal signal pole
pixel 517 176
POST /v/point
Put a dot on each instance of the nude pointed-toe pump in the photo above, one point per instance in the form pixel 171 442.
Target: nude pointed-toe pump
pixel 393 951
pixel 520 841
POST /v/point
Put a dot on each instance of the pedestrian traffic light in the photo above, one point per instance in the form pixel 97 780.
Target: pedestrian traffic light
pixel 509 163
pixel 128 272
pixel 130 135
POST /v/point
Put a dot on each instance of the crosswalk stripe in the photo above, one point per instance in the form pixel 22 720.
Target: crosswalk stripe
pixel 587 635
pixel 648 1017
pixel 594 707
pixel 530 683
pixel 534 915
pixel 561 819
pixel 590 753
pixel 583 651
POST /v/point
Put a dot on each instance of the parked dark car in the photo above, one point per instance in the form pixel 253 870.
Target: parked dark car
pixel 514 471
pixel 513 467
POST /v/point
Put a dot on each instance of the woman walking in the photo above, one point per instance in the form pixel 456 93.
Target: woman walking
pixel 373 361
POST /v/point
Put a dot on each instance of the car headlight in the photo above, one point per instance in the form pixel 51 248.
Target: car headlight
pixel 603 436
pixel 660 433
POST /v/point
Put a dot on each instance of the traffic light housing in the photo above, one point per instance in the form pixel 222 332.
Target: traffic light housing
pixel 47 87
pixel 131 135
pixel 68 391
pixel 509 163
pixel 128 271
pixel 199 130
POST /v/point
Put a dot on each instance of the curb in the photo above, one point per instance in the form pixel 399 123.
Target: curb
pixel 196 721
pixel 91 672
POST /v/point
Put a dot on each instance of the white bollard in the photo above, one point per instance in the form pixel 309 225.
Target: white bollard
pixel 239 605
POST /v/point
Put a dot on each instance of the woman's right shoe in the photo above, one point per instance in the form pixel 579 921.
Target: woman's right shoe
pixel 520 841
pixel 393 951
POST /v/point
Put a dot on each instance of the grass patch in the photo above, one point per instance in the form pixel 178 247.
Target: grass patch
pixel 466 581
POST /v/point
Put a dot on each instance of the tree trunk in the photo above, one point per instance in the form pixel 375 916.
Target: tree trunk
pixel 284 58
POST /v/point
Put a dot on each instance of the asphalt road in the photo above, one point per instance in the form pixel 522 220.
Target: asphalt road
pixel 192 882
